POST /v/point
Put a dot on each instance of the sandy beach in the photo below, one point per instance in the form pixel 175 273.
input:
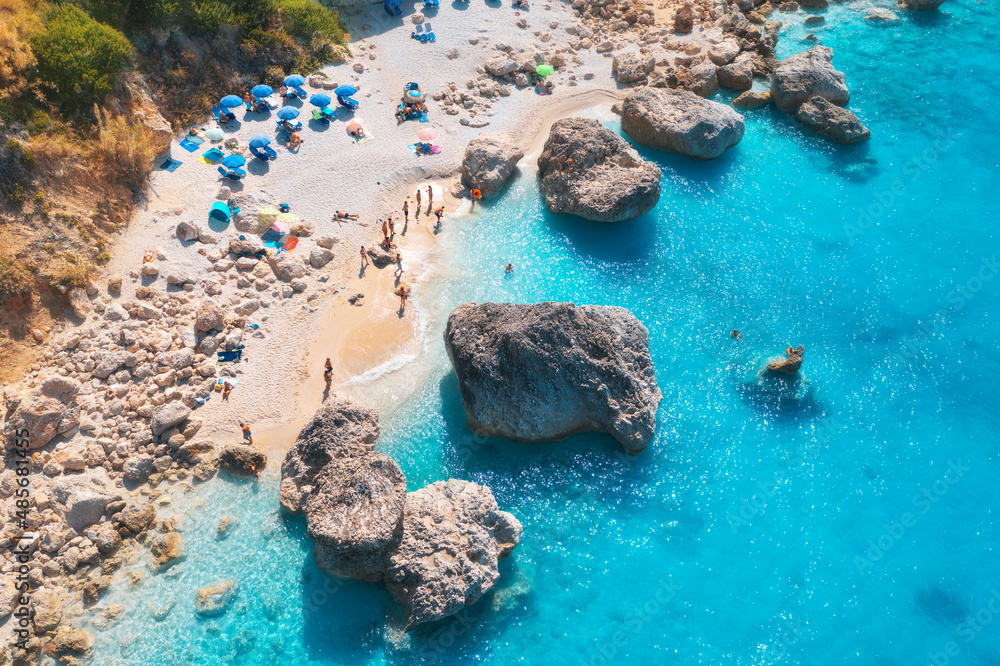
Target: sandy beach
pixel 280 378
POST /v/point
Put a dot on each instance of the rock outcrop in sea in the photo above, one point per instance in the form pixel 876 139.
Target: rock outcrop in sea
pixel 800 77
pixel 436 549
pixel 587 170
pixel 807 86
pixel 545 371
pixel 832 121
pixel 489 161
pixel 789 365
pixel 678 121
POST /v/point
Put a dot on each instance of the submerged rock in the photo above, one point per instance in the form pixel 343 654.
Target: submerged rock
pixel 832 121
pixel 212 600
pixel 679 121
pixel 543 372
pixel 489 161
pixel 800 77
pixel 453 536
pixel 606 179
pixel 165 551
pixel 923 4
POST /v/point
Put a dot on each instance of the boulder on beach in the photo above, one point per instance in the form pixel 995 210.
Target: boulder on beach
pixel 789 365
pixel 46 411
pixel 242 459
pixel 83 498
pixel 546 371
pixel 168 415
pixel 453 536
pixel 380 255
pixel 632 67
pixel 800 77
pixel 587 170
pixel 832 121
pixel 489 161
pixel 352 496
pixel 678 121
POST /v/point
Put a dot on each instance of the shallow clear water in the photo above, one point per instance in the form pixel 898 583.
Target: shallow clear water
pixel 848 520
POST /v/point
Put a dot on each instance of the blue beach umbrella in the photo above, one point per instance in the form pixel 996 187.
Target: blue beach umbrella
pixel 260 141
pixel 288 112
pixel 234 161
pixel 345 91
pixel 320 100
pixel 294 80
pixel 262 90
pixel 231 101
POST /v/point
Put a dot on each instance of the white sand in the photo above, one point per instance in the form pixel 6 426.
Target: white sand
pixel 281 376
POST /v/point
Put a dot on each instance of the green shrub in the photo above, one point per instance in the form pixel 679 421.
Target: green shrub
pixel 78 58
pixel 308 19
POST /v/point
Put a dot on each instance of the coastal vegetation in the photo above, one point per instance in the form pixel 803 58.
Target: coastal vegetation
pixel 90 90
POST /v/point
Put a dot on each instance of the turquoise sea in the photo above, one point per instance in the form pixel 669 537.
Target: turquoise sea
pixel 848 519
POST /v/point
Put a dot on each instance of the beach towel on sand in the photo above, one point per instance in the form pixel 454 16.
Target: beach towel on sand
pixel 171 164
pixel 434 149
pixel 211 156
pixel 191 144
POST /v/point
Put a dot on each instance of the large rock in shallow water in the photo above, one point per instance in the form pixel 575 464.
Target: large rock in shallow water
pixel 923 4
pixel 832 121
pixel 453 536
pixel 800 77
pixel 489 161
pixel 436 549
pixel 351 495
pixel 543 372
pixel 607 180
pixel 679 121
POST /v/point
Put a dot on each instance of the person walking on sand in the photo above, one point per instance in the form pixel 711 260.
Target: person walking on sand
pixel 226 389
pixel 406 212
pixel 385 230
pixel 328 373
pixel 418 201
pixel 246 433
pixel 399 265
pixel 364 257
pixel 430 197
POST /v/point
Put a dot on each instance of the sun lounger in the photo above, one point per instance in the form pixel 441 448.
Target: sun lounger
pixel 269 151
pixel 348 103
pixel 299 91
pixel 235 174
pixel 318 115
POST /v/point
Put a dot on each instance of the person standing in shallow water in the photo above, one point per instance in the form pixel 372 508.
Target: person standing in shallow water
pixel 392 229
pixel 247 437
